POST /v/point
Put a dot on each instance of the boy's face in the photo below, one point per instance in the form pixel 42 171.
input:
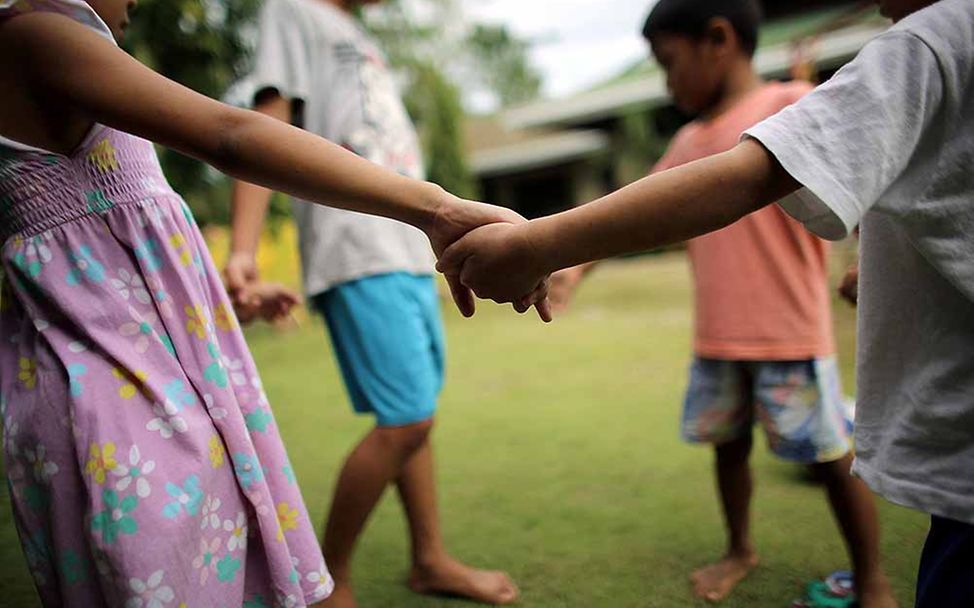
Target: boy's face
pixel 898 9
pixel 115 14
pixel 694 72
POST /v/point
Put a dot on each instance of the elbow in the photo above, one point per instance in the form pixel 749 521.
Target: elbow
pixel 232 127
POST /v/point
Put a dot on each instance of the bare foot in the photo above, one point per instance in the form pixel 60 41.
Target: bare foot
pixel 876 594
pixel 341 597
pixel 716 581
pixel 452 578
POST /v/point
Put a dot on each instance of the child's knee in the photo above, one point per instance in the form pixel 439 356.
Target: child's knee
pixel 407 438
pixel 736 450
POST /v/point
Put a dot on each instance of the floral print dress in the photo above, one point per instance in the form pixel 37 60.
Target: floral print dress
pixel 143 461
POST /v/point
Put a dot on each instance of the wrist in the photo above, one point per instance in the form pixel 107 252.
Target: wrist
pixel 434 211
pixel 538 241
pixel 243 253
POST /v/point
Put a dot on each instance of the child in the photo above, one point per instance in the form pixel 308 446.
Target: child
pixel 763 341
pixel 143 461
pixel 889 140
pixel 369 277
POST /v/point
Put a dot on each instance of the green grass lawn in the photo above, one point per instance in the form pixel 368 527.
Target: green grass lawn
pixel 559 459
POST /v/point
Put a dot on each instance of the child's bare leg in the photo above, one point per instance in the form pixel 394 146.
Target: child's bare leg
pixel 716 581
pixel 374 463
pixel 434 570
pixel 855 510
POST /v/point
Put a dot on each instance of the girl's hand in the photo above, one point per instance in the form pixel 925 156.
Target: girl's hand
pixel 455 218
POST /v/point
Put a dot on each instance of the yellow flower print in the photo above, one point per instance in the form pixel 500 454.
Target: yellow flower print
pixel 216 452
pixel 101 459
pixel 196 321
pixel 28 373
pixel 224 318
pixel 103 156
pixel 178 242
pixel 287 518
pixel 134 382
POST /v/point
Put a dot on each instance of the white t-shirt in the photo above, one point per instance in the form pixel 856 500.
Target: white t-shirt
pixel 888 142
pixel 313 52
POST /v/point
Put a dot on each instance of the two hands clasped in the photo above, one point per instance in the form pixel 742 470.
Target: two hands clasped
pixel 483 251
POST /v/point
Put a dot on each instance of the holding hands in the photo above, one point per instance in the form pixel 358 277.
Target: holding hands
pixel 482 251
pixel 479 250
pixel 498 262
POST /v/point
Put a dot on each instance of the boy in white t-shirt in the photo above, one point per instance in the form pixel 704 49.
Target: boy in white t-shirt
pixel 887 143
pixel 369 277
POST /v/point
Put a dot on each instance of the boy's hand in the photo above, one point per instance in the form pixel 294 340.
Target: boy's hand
pixel 270 302
pixel 849 288
pixel 498 263
pixel 241 275
pixel 456 218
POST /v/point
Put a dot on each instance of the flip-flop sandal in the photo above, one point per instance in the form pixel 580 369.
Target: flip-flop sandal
pixel 836 591
pixel 841 584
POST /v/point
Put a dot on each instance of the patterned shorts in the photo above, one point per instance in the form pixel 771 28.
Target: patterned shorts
pixel 799 404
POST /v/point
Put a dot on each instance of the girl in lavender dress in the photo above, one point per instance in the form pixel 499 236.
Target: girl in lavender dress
pixel 143 461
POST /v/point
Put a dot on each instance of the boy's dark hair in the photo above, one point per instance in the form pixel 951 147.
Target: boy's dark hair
pixel 690 18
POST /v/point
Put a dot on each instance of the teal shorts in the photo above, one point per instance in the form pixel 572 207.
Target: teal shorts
pixel 799 404
pixel 388 338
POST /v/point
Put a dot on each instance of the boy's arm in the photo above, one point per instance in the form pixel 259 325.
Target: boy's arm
pixel 248 211
pixel 501 263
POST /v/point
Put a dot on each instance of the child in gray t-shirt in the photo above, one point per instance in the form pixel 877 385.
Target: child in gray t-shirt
pixel 369 277
pixel 889 143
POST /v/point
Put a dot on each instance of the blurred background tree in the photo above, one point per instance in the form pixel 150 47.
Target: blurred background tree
pixel 444 62
pixel 205 45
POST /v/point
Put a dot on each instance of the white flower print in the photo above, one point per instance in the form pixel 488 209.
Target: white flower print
pixel 238 532
pixel 211 517
pixel 131 285
pixel 151 593
pixel 321 579
pixel 136 471
pixel 257 500
pixel 102 565
pixel 235 368
pixel 163 301
pixel 217 413
pixel 42 468
pixel 285 601
pixel 167 420
pixel 37 249
pixel 141 328
pixel 205 561
pixel 10 430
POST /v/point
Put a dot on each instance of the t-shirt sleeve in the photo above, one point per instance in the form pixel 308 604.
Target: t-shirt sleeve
pixel 282 60
pixel 849 140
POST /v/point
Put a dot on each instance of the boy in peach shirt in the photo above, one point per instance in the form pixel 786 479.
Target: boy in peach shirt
pixel 763 343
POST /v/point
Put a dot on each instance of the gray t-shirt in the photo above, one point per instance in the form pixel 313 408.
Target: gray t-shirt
pixel 313 53
pixel 889 143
